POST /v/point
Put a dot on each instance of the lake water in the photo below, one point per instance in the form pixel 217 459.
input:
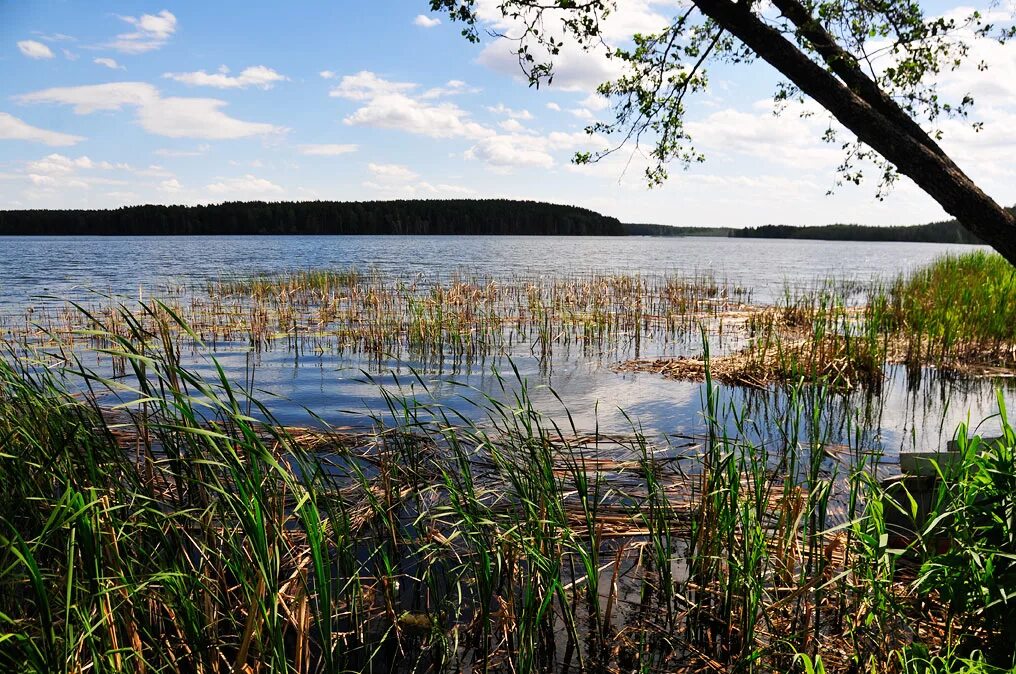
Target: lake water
pixel 337 388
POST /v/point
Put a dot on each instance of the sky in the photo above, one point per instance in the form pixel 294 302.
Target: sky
pixel 105 104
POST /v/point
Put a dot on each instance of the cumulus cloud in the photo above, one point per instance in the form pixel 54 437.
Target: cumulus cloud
pixel 366 85
pixel 425 21
pixel 170 186
pixel 58 164
pixel 396 111
pixel 12 128
pixel 787 139
pixel 511 125
pixel 391 172
pixel 262 77
pixel 505 151
pixel 35 50
pixel 57 171
pixel 575 69
pixel 399 181
pixel 327 149
pixel 151 32
pixel 451 88
pixel 244 187
pixel 173 117
pixel 390 105
pixel 327 74
pixel 502 109
pixel 109 63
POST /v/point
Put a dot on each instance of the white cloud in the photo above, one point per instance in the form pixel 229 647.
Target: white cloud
pixel 69 55
pixel 12 128
pixel 327 74
pixel 396 111
pixel 170 186
pixel 365 85
pixel 419 189
pixel 425 21
pixel 253 76
pixel 243 187
pixel 198 118
pixel 441 189
pixel 554 106
pixel 451 88
pixel 94 97
pixel 172 117
pixel 58 164
pixel 501 109
pixel 595 102
pixel 389 105
pixel 170 152
pixel 109 63
pixel 396 180
pixel 391 172
pixel 57 171
pixel 787 139
pixel 35 50
pixel 55 37
pixel 511 125
pixel 152 31
pixel 327 149
pixel 506 151
pixel 575 68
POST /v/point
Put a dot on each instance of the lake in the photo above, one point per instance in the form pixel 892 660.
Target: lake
pixel 341 386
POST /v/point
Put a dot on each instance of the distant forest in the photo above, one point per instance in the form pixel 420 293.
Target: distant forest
pixel 459 216
pixel 949 231
pixel 418 216
pixel 637 229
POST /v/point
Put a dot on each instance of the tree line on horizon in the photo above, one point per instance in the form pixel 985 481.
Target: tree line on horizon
pixel 414 216
pixel 419 217
pixel 948 231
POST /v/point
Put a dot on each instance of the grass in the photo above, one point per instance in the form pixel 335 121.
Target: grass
pixel 958 315
pixel 183 530
pixel 461 319
pixel 958 312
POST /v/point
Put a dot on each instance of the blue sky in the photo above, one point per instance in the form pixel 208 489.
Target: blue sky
pixel 104 104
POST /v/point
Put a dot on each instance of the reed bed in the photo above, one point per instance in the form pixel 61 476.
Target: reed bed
pixel 184 530
pixel 462 318
pixel 957 315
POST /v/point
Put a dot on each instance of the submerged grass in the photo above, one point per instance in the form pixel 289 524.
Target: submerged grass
pixel 183 530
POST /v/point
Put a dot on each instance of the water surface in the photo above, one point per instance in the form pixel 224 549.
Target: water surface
pixel 341 387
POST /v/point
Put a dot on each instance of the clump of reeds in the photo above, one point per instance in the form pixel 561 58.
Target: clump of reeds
pixel 812 338
pixel 957 313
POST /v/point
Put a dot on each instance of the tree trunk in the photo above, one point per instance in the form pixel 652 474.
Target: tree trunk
pixel 932 171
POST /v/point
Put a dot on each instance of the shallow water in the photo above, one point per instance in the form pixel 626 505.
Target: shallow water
pixel 341 387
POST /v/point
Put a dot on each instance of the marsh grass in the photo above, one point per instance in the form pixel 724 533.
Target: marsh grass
pixel 184 530
pixel 959 312
pixel 460 321
pixel 957 315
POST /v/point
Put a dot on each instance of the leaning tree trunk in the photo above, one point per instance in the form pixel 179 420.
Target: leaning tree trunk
pixel 878 126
